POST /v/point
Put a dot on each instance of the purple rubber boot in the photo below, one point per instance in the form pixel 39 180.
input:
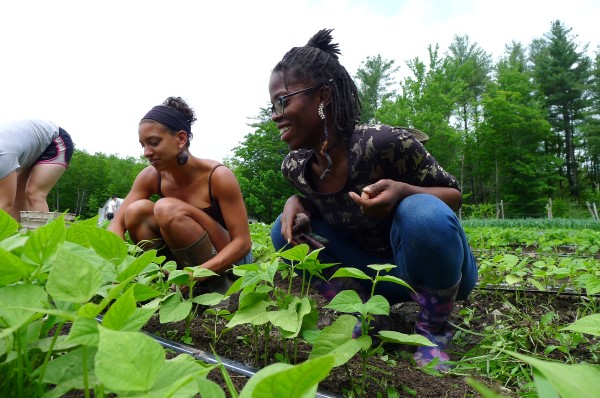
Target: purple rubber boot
pixel 432 323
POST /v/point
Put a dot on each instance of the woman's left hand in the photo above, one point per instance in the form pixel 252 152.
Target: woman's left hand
pixel 379 199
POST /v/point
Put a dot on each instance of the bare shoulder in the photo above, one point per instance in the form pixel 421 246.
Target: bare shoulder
pixel 146 181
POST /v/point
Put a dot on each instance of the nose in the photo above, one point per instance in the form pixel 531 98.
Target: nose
pixel 147 152
pixel 274 116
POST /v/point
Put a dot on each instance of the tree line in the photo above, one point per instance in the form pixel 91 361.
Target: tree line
pixel 517 130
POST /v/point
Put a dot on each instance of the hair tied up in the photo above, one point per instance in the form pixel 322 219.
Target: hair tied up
pixel 322 41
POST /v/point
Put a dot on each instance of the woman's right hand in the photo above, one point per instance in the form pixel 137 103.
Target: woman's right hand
pixel 293 206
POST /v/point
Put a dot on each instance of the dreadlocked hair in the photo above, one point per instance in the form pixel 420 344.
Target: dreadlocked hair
pixel 318 61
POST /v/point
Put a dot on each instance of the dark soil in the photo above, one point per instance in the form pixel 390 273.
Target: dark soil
pixel 393 369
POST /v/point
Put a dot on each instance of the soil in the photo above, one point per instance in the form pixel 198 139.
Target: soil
pixel 397 372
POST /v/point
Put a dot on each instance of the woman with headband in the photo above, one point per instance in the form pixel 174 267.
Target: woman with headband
pixel 373 193
pixel 200 217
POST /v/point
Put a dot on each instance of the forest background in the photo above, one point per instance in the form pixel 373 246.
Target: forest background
pixel 517 132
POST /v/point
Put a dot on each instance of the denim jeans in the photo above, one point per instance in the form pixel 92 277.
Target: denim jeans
pixel 429 248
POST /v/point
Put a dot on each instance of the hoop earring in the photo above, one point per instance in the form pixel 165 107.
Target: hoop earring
pixel 182 157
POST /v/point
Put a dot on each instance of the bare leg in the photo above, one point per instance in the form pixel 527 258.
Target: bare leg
pixel 140 221
pixel 8 191
pixel 42 179
pixel 181 224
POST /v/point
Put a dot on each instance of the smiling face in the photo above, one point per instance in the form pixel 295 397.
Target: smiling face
pixel 300 125
pixel 160 146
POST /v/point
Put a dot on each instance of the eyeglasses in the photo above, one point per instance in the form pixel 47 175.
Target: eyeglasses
pixel 279 103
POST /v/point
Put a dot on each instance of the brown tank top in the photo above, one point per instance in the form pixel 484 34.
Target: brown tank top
pixel 214 210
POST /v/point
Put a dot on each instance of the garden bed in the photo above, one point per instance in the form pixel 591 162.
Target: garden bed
pixel 394 371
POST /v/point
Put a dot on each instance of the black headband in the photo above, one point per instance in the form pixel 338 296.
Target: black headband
pixel 169 117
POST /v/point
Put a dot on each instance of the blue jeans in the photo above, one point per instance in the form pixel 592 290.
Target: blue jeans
pixel 429 248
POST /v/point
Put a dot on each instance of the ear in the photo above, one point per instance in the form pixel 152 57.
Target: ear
pixel 182 138
pixel 325 95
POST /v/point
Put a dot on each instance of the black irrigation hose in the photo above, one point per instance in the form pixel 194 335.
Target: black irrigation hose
pixel 203 356
pixel 505 287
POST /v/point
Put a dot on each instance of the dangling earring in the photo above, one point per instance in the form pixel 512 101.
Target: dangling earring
pixel 182 157
pixel 321 111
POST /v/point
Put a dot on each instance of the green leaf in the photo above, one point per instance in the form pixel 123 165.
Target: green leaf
pixel 282 380
pixel 43 243
pixel 183 376
pixel 8 225
pixel 128 361
pixel 337 340
pixel 377 305
pixel 66 371
pixel 592 285
pixel 208 299
pixel 174 309
pixel 290 320
pixel 138 265
pixel 12 268
pixel 252 310
pixel 72 278
pixel 124 315
pixel 144 292
pixel 543 387
pixel 389 336
pixel 84 331
pixel 351 273
pixel 537 285
pixel 578 380
pixel 296 253
pixel 512 279
pixel 382 267
pixel 393 279
pixel 179 277
pixel 347 301
pixel 13 301
pixel 106 244
pixel 589 324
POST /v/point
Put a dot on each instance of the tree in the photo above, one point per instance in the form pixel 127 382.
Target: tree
pixel 512 137
pixel 591 129
pixel 561 71
pixel 91 179
pixel 257 165
pixel 469 66
pixel 426 103
pixel 374 79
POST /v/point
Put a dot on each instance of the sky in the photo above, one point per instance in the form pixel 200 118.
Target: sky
pixel 96 67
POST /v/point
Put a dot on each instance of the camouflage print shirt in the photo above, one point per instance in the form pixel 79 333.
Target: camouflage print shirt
pixel 375 153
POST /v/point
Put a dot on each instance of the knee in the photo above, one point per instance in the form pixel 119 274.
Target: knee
pixel 166 211
pixel 424 219
pixel 137 212
pixel 34 194
pixel 276 237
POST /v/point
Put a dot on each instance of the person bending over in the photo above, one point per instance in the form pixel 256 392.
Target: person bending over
pixel 34 154
pixel 200 217
pixel 373 192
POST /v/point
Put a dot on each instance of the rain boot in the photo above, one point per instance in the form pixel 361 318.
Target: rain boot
pixel 432 323
pixel 196 254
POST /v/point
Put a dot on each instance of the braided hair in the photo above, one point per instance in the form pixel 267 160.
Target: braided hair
pixel 318 61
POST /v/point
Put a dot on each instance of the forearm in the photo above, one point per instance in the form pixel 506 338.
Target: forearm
pixel 450 196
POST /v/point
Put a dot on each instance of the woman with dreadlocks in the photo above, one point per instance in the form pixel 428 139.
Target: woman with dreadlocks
pixel 373 193
pixel 200 218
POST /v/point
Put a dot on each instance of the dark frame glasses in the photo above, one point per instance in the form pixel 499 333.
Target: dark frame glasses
pixel 278 106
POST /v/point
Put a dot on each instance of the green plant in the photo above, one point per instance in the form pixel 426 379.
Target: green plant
pixel 337 338
pixel 56 275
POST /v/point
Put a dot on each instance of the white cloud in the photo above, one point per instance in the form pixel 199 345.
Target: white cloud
pixel 97 67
